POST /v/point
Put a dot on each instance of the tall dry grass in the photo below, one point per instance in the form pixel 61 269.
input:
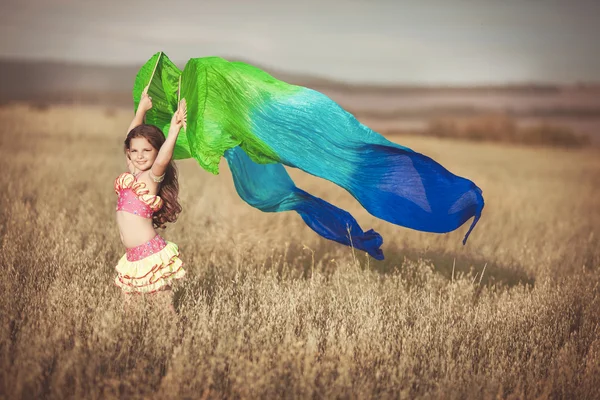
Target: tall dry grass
pixel 500 127
pixel 271 310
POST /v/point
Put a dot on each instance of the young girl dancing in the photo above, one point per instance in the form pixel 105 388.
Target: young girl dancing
pixel 147 199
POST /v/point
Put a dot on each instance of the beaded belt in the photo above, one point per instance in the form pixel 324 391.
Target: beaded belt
pixel 154 245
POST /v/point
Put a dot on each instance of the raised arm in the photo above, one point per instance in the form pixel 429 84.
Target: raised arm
pixel 143 107
pixel 163 158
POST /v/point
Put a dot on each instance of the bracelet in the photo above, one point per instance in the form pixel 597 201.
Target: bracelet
pixel 157 179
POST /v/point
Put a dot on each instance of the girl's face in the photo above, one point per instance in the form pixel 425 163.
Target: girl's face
pixel 142 153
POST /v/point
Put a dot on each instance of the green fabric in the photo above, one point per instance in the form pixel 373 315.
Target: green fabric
pixel 220 96
pixel 163 90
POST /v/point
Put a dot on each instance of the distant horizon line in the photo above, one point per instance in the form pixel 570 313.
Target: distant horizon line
pixel 323 79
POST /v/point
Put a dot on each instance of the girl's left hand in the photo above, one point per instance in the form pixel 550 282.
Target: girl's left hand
pixel 145 102
pixel 179 118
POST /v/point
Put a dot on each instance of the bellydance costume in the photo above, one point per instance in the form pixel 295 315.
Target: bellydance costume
pixel 151 266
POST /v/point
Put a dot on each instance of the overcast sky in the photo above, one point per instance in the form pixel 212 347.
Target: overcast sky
pixel 405 41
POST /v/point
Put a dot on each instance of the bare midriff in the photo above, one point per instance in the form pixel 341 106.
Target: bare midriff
pixel 134 230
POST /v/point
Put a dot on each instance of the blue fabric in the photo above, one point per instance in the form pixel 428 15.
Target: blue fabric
pixel 269 188
pixel 311 132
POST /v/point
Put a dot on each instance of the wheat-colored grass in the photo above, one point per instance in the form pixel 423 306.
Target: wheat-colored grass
pixel 271 310
pixel 500 127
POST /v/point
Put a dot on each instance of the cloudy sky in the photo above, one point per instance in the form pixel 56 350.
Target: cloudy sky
pixel 403 41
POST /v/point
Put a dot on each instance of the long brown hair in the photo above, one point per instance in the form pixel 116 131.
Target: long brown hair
pixel 168 189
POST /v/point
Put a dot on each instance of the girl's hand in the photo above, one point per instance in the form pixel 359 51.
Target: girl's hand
pixel 179 118
pixel 145 101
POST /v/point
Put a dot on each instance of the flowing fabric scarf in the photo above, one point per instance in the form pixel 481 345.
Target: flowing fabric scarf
pixel 259 124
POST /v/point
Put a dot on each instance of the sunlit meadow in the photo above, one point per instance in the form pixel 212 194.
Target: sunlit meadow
pixel 268 308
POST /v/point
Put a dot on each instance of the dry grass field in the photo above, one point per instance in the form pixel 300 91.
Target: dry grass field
pixel 271 310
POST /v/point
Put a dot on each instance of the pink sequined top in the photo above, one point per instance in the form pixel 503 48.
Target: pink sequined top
pixel 134 197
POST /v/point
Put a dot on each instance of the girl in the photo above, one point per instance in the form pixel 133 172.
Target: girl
pixel 147 199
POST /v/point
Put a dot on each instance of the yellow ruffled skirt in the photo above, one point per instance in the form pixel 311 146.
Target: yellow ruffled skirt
pixel 150 267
